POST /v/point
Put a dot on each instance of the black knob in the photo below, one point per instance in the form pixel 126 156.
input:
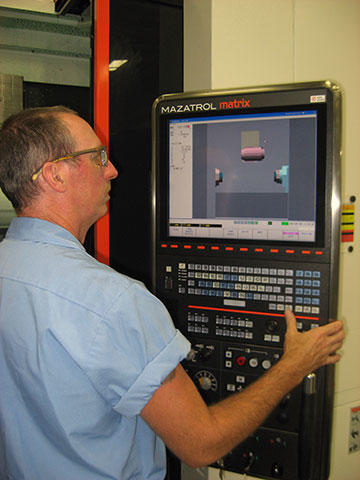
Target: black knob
pixel 282 418
pixel 277 470
pixel 284 402
pixel 272 326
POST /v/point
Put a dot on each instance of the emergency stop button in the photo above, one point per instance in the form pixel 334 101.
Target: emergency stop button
pixel 241 361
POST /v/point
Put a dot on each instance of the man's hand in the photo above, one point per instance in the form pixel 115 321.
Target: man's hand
pixel 308 351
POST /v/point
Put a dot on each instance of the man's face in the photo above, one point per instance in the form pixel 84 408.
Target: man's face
pixel 89 182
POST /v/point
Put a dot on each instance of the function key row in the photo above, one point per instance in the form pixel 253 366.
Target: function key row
pixel 228 250
pixel 236 269
pixel 299 274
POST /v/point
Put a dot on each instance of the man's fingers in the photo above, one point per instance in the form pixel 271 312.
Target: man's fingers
pixel 290 321
pixel 335 326
pixel 334 358
pixel 335 333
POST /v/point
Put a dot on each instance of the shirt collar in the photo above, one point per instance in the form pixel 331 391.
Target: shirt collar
pixel 42 231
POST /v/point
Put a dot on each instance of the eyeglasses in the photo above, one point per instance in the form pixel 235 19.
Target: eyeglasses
pixel 100 150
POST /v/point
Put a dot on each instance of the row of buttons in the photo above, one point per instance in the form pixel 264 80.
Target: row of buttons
pixel 198 317
pixel 235 294
pixel 198 329
pixel 255 288
pixel 245 335
pixel 307 283
pixel 242 250
pixel 307 309
pixel 307 291
pixel 253 363
pixel 280 307
pixel 266 280
pixel 233 333
pixel 244 278
pixel 281 272
pixel 234 322
pixel 236 269
pixel 241 295
pixel 245 287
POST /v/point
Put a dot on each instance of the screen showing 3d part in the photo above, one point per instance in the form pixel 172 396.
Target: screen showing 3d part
pixel 248 176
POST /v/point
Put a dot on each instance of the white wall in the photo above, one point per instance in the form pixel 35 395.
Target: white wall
pixel 261 42
pixel 197 45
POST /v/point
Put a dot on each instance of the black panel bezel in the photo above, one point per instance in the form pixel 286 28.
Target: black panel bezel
pixel 322 203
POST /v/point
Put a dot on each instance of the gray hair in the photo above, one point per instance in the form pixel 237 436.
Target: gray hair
pixel 29 139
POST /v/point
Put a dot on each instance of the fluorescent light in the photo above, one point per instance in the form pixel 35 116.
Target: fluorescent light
pixel 115 64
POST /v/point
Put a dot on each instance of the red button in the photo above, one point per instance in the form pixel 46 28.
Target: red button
pixel 241 361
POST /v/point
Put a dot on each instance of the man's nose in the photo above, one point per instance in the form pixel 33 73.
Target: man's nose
pixel 110 171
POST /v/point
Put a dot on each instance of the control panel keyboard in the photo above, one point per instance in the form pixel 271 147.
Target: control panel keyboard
pixel 276 289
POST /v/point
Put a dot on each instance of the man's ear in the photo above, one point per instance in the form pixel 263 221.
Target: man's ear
pixel 53 175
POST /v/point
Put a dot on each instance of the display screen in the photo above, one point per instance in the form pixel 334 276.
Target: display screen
pixel 246 176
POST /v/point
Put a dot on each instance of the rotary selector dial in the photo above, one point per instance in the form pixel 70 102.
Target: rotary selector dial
pixel 206 380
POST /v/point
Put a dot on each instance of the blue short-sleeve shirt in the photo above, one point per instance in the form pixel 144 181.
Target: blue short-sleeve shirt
pixel 82 350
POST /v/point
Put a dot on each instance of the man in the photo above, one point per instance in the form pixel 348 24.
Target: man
pixel 90 378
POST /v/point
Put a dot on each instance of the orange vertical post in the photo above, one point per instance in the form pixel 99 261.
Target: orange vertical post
pixel 101 109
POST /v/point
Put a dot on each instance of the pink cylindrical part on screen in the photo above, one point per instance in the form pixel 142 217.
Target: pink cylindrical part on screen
pixel 252 153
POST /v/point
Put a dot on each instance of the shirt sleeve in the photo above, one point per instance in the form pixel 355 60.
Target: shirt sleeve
pixel 135 348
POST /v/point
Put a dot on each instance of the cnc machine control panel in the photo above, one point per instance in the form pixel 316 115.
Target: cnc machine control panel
pixel 232 311
pixel 245 228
